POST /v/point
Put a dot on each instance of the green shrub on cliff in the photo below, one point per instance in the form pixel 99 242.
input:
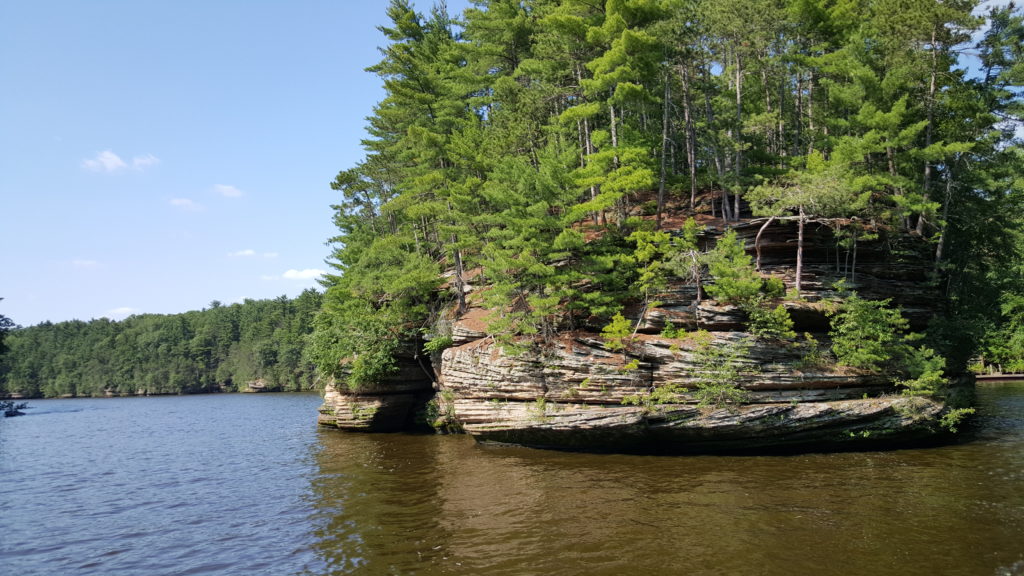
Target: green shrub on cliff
pixel 355 343
pixel 736 281
pixel 770 323
pixel 617 332
pixel 866 333
pixel 720 365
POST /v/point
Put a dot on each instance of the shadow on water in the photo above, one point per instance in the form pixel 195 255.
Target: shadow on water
pixel 445 505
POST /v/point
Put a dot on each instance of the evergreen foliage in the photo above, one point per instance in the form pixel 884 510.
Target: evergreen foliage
pixel 516 145
pixel 865 333
pixel 616 333
pixel 218 348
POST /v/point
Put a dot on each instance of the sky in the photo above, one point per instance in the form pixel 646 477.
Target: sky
pixel 156 156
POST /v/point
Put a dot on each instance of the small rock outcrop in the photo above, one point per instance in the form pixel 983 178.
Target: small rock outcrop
pixel 389 406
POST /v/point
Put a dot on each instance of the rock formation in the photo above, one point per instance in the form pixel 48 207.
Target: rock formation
pixel 574 392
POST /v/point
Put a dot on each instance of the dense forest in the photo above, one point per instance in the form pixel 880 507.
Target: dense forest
pixel 535 147
pixel 563 153
pixel 253 345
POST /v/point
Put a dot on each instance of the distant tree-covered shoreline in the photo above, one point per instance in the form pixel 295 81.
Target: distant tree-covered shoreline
pixel 219 348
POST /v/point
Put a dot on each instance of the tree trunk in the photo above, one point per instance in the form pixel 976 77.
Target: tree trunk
pixel 738 164
pixel 799 250
pixel 691 136
pixel 810 114
pixel 460 282
pixel 738 167
pixel 620 205
pixel 757 242
pixel 664 149
pixel 798 114
pixel 709 116
pixel 940 247
pixel 588 150
pixel 930 105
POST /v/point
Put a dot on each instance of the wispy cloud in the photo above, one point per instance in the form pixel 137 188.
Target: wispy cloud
pixel 85 264
pixel 122 312
pixel 250 252
pixel 228 191
pixel 186 204
pixel 105 161
pixel 306 274
pixel 142 162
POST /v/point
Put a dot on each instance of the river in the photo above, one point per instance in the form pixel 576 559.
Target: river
pixel 246 485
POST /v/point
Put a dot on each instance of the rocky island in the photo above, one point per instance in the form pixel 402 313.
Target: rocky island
pixel 642 226
pixel 577 390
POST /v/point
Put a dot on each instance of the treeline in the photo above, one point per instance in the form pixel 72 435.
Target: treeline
pixel 517 144
pixel 220 348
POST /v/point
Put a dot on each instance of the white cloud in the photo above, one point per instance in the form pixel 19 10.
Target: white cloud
pixel 241 253
pixel 122 312
pixel 186 204
pixel 227 190
pixel 105 161
pixel 84 264
pixel 141 162
pixel 307 274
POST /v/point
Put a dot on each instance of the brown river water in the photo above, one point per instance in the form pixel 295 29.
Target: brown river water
pixel 246 484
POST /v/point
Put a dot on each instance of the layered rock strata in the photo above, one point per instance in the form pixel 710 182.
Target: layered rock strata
pixel 578 395
pixel 392 405
pixel 573 392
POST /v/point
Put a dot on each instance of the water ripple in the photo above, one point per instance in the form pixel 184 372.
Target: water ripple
pixel 233 485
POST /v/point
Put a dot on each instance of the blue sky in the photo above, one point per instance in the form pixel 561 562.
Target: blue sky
pixel 158 155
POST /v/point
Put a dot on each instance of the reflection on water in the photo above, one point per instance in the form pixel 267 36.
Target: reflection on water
pixel 443 505
pixel 246 485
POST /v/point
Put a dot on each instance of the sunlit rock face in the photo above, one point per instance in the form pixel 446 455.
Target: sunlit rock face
pixel 576 395
pixel 575 392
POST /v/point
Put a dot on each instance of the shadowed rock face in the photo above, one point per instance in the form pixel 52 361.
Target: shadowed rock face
pixel 389 406
pixel 572 392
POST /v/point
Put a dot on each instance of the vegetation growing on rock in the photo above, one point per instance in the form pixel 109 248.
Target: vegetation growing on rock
pixel 605 179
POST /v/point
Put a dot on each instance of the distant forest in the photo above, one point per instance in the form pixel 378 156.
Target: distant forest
pixel 256 343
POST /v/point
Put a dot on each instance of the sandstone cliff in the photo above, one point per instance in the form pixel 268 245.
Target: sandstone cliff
pixel 574 392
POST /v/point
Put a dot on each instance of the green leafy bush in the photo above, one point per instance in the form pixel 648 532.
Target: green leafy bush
pixel 720 367
pixel 438 344
pixel 950 420
pixel 771 323
pixel 736 281
pixel 617 332
pixel 866 333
